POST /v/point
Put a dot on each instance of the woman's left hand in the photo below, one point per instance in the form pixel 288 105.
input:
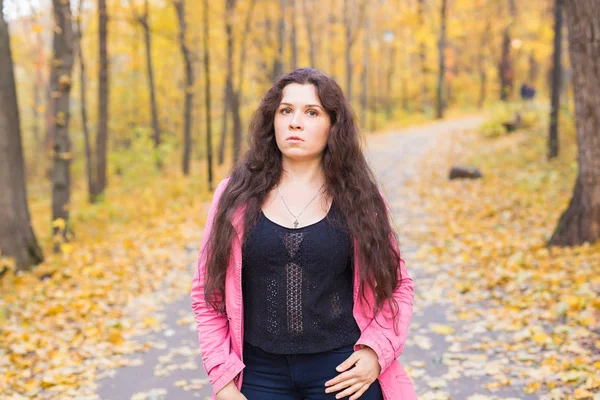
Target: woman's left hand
pixel 357 380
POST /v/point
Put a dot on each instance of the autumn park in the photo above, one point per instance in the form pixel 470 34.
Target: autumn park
pixel 119 118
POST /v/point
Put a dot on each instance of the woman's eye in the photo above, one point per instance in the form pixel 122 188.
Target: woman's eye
pixel 312 113
pixel 285 110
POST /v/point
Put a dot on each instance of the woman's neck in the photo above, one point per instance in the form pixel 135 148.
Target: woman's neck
pixel 305 173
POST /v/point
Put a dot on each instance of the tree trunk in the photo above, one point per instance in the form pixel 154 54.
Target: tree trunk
pixel 189 78
pixel 581 221
pixel 224 127
pixel 364 78
pixel 532 73
pixel 229 92
pixel 83 104
pixel 50 106
pixel 62 47
pixel 293 37
pixel 237 125
pixel 407 63
pixel 308 19
pixel 352 28
pixel 145 23
pixel 38 86
pixel 389 79
pixel 228 79
pixel 331 39
pixel 481 58
pixel 102 134
pixel 278 62
pixel 348 50
pixel 37 103
pixel 17 239
pixel 237 96
pixel 506 68
pixel 243 47
pixel 482 85
pixel 442 63
pixel 233 95
pixel 209 157
pixel 423 58
pixel 556 81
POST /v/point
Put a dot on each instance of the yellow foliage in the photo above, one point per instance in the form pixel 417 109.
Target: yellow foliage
pixel 442 329
pixel 72 306
pixel 493 232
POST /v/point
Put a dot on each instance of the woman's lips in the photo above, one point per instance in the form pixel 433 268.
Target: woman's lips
pixel 294 139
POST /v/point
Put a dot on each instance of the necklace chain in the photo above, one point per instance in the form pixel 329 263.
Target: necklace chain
pixel 305 207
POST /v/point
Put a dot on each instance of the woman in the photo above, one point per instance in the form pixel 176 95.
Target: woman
pixel 300 290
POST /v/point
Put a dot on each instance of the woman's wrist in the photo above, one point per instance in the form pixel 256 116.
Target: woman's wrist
pixel 227 390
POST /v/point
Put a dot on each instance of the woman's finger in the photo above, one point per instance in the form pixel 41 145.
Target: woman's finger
pixel 342 377
pixel 341 385
pixel 360 392
pixel 348 363
pixel 352 389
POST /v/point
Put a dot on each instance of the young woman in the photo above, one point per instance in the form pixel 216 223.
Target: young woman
pixel 300 291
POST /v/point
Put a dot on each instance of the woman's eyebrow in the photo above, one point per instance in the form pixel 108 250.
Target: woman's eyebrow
pixel 306 106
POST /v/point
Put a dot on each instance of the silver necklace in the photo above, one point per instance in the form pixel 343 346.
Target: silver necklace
pixel 290 211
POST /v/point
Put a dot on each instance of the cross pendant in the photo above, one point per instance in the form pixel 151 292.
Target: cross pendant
pixel 295 223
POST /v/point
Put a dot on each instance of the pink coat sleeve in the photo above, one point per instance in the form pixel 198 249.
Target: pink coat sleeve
pixel 214 336
pixel 380 335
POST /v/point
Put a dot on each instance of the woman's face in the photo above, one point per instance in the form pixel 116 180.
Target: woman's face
pixel 301 123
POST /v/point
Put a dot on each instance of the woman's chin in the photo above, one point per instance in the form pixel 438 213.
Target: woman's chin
pixel 296 154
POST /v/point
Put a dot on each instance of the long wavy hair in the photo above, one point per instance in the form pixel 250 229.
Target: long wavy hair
pixel 348 179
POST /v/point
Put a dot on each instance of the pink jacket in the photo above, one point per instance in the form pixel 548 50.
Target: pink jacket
pixel 221 338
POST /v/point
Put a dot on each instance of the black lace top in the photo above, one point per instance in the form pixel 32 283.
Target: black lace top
pixel 297 286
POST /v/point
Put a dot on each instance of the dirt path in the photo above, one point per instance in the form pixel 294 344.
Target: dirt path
pixel 442 369
pixel 442 366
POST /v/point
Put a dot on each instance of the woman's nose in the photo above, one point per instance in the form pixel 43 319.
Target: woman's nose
pixel 296 121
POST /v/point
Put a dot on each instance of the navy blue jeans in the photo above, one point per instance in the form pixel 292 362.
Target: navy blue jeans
pixel 269 376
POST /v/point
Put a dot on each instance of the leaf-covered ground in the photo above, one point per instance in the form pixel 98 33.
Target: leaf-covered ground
pixel 532 314
pixel 76 313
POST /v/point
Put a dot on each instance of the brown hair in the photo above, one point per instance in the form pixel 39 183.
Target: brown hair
pixel 348 179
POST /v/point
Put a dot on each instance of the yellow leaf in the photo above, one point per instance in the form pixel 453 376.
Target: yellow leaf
pixel 463 316
pixel 151 322
pixel 115 337
pixel 8 263
pixel 442 329
pixel 541 338
pixel 55 310
pixel 59 223
pixel 581 393
pixel 593 382
pixel 532 387
pixel 128 244
pixel 91 332
pixel 66 248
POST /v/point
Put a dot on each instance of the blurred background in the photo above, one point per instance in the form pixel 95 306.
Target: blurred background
pixel 125 114
pixel 384 54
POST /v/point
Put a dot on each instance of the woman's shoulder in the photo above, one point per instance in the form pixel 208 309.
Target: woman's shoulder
pixel 216 196
pixel 223 183
pixel 221 186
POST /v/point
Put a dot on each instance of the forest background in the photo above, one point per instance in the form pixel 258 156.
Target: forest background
pixel 385 55
pixel 132 110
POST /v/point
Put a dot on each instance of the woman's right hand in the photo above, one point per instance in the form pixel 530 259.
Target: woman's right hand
pixel 230 392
